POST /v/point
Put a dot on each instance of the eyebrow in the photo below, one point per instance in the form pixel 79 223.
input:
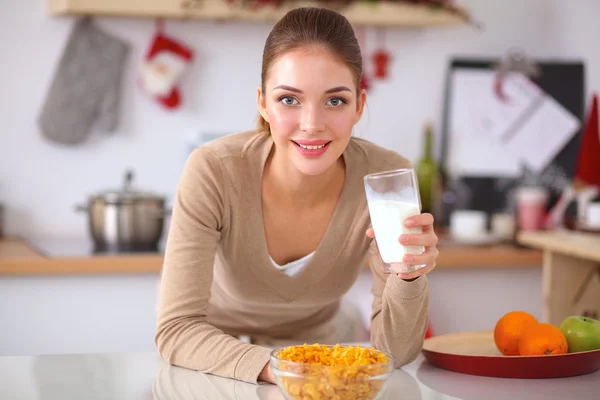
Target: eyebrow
pixel 332 90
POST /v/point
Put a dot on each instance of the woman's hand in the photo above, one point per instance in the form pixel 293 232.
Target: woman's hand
pixel 266 375
pixel 428 239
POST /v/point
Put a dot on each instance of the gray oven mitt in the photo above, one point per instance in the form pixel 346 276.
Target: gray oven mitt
pixel 86 86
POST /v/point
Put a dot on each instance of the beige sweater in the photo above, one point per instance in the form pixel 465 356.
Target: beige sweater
pixel 218 282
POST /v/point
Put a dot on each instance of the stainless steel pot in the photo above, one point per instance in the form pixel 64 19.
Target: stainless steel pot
pixel 126 220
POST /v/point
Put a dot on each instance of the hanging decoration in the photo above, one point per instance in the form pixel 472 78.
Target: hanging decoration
pixel 165 62
pixel 381 58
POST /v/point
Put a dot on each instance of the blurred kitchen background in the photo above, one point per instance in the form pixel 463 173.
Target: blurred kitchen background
pixel 60 292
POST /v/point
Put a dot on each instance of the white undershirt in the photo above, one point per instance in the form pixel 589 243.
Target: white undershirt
pixel 292 268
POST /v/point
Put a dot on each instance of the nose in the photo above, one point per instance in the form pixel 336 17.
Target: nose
pixel 311 120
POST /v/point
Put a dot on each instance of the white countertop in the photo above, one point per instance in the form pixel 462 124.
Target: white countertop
pixel 143 376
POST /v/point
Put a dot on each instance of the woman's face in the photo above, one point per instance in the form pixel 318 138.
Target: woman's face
pixel 311 104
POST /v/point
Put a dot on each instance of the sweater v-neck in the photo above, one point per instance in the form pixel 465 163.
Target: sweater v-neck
pixel 328 249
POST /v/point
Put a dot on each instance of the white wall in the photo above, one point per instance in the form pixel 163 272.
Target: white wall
pixel 576 31
pixel 40 182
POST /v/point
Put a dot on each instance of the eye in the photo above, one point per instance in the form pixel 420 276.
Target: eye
pixel 288 100
pixel 336 102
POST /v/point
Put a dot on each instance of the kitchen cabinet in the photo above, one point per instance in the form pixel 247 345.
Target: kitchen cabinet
pixel 570 274
pixel 78 313
pixel 358 13
pixel 105 313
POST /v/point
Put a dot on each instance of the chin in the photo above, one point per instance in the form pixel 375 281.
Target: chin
pixel 312 168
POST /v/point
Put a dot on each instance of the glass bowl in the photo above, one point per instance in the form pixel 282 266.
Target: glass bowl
pixel 299 380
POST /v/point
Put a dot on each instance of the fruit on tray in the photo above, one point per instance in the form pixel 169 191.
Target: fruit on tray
pixel 582 333
pixel 510 328
pixel 542 340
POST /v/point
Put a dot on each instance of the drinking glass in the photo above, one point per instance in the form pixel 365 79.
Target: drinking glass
pixel 392 197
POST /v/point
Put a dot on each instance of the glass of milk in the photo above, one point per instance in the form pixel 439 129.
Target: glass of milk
pixel 392 197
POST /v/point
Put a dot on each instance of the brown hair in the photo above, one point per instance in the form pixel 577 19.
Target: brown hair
pixel 316 27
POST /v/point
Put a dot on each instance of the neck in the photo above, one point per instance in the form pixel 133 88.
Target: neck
pixel 299 189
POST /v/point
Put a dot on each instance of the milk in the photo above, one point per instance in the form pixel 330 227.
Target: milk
pixel 387 219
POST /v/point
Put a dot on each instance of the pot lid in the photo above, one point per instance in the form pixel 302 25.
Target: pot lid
pixel 127 192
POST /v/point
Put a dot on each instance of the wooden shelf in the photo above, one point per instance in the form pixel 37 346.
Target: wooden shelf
pixel 359 13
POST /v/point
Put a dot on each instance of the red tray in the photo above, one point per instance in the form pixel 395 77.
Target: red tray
pixel 475 353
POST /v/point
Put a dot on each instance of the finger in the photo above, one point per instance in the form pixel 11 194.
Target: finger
pixel 415 274
pixel 424 220
pixel 428 257
pixel 370 233
pixel 427 228
pixel 412 239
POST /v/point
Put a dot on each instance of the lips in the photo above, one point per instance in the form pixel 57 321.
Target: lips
pixel 311 148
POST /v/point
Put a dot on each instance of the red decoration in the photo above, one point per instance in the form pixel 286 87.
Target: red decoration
pixel 381 58
pixel 381 61
pixel 164 63
pixel 588 159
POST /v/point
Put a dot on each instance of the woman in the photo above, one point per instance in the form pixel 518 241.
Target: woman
pixel 271 227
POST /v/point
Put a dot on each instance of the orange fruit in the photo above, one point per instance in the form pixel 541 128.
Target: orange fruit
pixel 542 340
pixel 509 330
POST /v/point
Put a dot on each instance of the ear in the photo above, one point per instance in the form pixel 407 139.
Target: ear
pixel 261 103
pixel 360 104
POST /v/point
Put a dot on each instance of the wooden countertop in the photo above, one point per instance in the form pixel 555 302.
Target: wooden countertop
pixel 17 257
pixel 572 243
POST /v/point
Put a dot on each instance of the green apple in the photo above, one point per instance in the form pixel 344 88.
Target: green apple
pixel 582 333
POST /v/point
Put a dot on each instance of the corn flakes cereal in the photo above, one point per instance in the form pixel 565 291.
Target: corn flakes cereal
pixel 332 372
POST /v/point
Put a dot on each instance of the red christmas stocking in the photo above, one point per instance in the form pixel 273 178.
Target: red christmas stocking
pixel 164 64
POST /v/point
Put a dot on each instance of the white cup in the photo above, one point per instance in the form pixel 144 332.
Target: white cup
pixel 593 215
pixel 467 224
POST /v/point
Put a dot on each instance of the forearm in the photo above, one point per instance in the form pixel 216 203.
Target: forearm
pixel 399 325
pixel 192 343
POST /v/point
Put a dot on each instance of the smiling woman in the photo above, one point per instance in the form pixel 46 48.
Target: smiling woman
pixel 271 228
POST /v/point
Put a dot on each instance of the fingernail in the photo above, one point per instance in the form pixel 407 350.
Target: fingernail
pixel 409 222
pixel 408 258
pixel 403 239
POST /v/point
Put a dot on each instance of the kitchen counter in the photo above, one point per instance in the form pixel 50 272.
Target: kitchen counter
pixel 143 376
pixel 75 256
pixel 571 243
pixel 69 256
